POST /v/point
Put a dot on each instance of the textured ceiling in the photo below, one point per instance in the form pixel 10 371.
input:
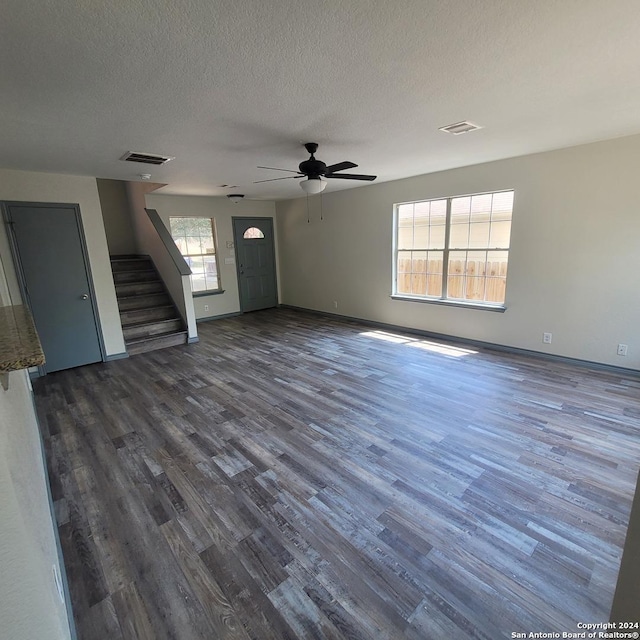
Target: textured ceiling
pixel 226 85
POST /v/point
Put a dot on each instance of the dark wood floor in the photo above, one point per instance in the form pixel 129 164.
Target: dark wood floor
pixel 293 476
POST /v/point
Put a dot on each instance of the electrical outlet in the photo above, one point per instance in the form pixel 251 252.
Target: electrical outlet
pixel 335 304
pixel 622 349
pixel 206 307
pixel 546 338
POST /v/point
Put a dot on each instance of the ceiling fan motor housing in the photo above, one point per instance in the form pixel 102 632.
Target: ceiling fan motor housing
pixel 313 168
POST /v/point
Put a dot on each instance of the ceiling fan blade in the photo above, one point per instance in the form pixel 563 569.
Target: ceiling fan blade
pixel 276 169
pixel 340 166
pixel 274 179
pixel 350 176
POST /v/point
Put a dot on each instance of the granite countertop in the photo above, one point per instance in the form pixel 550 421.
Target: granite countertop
pixel 20 346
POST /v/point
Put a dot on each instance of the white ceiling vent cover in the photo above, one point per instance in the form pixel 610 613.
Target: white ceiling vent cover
pixel 146 158
pixel 460 127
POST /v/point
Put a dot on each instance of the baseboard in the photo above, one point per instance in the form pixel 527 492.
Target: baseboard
pixel 220 317
pixel 472 343
pixel 116 356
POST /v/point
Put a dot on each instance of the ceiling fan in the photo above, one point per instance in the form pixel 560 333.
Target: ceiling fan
pixel 315 171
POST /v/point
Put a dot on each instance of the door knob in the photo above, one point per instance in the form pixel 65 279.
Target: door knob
pixel 84 296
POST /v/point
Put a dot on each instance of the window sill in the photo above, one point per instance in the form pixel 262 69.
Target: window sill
pixel 452 303
pixel 202 294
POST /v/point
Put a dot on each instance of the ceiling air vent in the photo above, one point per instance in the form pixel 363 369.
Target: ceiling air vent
pixel 145 158
pixel 460 127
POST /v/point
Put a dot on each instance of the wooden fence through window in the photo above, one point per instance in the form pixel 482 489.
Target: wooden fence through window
pixel 484 281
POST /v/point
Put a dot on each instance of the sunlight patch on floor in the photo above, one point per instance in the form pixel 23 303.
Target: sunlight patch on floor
pixel 426 345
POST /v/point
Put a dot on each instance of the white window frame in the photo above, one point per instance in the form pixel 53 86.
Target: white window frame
pixel 443 299
pixel 203 292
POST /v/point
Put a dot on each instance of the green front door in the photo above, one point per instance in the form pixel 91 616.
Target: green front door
pixel 255 256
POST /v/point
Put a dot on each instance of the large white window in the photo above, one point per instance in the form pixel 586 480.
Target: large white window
pixel 454 249
pixel 195 238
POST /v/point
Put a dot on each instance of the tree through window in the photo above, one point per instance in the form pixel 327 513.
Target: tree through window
pixel 195 239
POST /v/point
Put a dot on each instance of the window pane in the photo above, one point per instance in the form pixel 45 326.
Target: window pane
pixel 436 237
pixel 419 284
pixel 500 234
pixel 497 263
pixel 197 268
pixel 177 226
pixel 203 226
pixel 502 203
pixel 455 287
pixel 404 262
pixel 460 208
pixel 478 241
pixel 476 263
pixel 405 215
pixel 496 288
pixel 481 207
pixel 434 262
pixel 438 211
pixel 193 245
pixel 403 284
pixel 474 288
pixel 479 235
pixel 421 237
pixel 455 281
pixel 419 262
pixel 210 266
pixel 405 238
pixel 253 232
pixel 459 236
pixel 434 285
pixel 421 213
pixel 194 239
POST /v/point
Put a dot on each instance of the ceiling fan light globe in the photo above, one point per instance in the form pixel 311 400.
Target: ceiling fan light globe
pixel 235 197
pixel 311 186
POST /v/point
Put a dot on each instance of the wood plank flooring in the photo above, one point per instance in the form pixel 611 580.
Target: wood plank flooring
pixel 294 476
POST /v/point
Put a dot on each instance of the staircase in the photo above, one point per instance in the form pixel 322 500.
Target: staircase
pixel 149 318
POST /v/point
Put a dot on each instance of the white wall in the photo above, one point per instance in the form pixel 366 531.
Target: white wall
pixel 46 187
pixel 573 267
pixel 222 211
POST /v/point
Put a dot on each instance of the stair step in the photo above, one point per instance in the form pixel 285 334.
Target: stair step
pixel 120 277
pixel 147 314
pixel 147 329
pixel 131 264
pixel 159 341
pixel 128 256
pixel 128 289
pixel 143 301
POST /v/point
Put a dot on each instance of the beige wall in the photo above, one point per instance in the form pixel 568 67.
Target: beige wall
pixel 573 269
pixel 30 606
pixel 45 187
pixel 222 211
pixel 116 217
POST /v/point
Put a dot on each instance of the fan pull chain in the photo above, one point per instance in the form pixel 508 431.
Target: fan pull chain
pixel 321 218
pixel 308 214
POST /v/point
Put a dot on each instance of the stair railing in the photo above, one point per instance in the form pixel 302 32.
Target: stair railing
pixel 174 271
